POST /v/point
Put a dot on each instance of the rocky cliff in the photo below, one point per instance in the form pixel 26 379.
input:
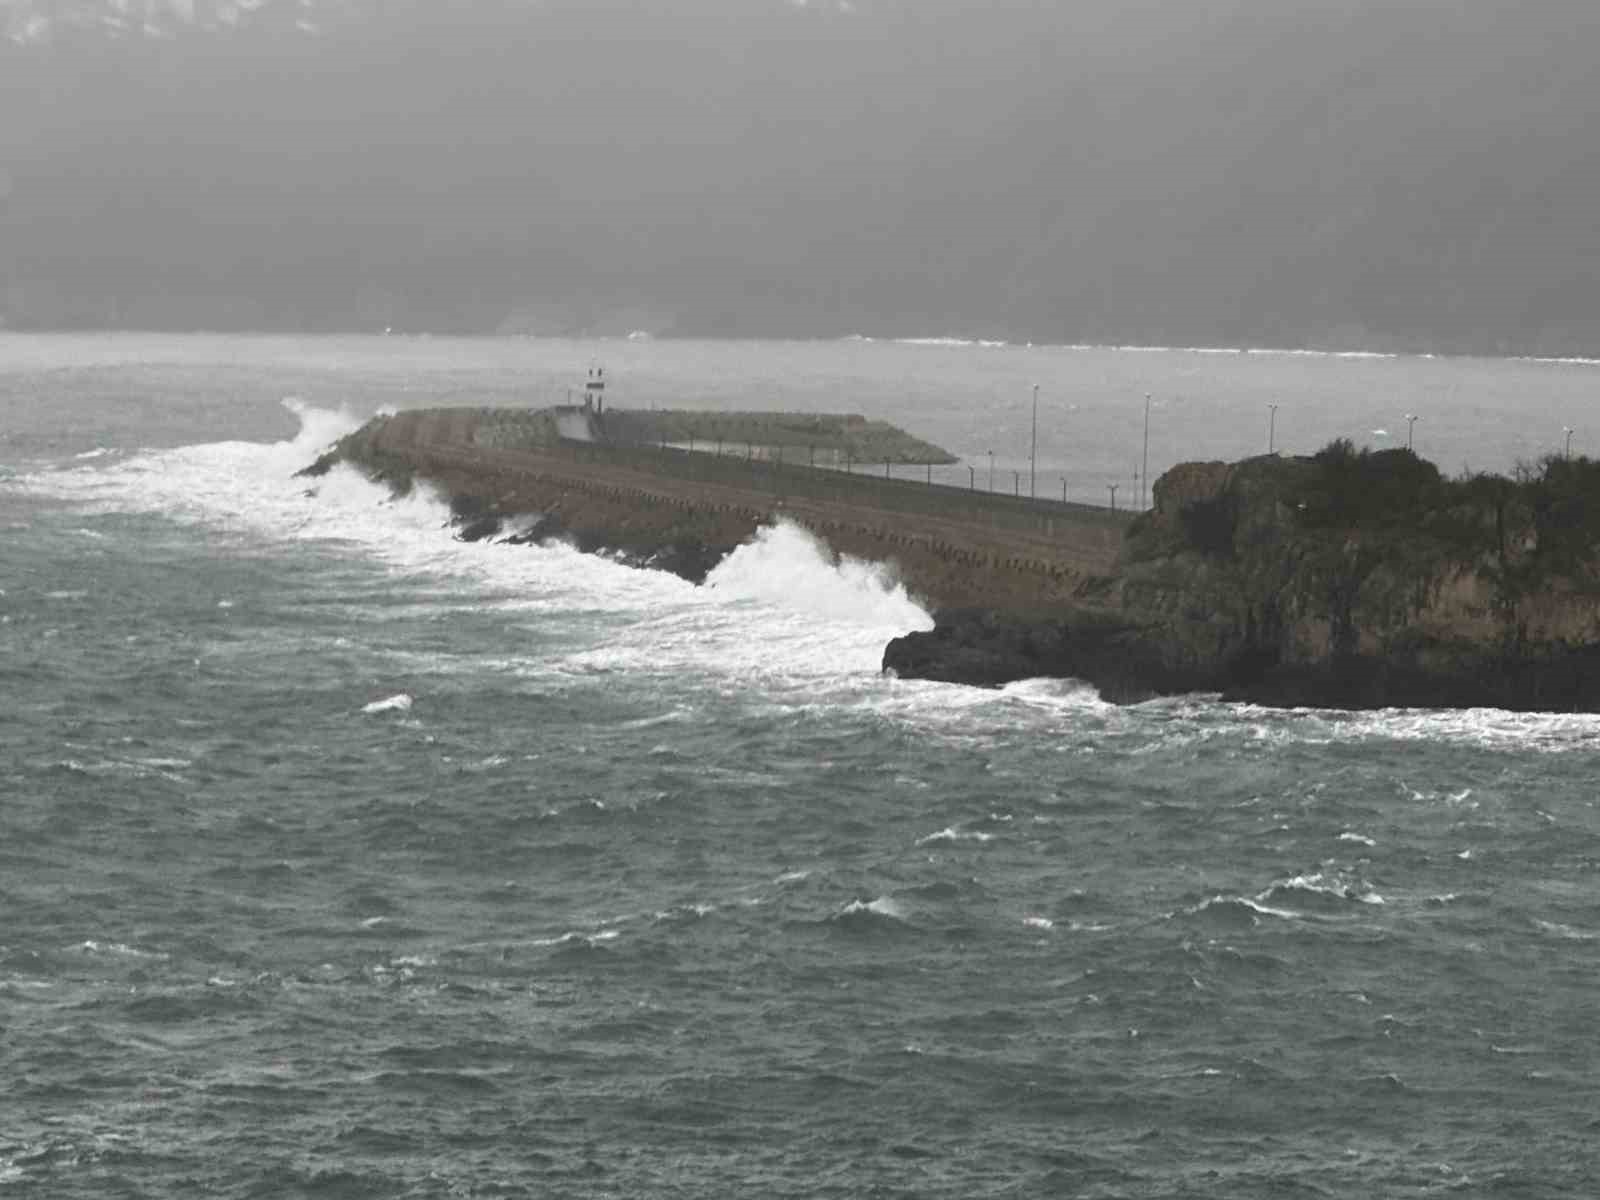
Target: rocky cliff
pixel 1345 579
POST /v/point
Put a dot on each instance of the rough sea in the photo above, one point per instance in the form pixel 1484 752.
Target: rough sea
pixel 339 858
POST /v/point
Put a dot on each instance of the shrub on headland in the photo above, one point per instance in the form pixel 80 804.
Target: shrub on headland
pixel 1363 544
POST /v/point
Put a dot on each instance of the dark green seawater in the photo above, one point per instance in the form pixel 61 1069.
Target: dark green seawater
pixel 341 859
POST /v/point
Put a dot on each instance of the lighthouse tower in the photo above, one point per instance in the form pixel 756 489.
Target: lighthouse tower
pixel 594 392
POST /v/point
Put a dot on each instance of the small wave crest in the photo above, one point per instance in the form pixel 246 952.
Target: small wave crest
pixel 116 950
pixel 952 342
pixel 1319 891
pixel 400 702
pixel 877 914
pixel 1234 912
pixel 951 834
pixel 1298 897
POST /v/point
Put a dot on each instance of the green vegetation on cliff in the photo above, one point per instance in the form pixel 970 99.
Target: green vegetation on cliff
pixel 1349 553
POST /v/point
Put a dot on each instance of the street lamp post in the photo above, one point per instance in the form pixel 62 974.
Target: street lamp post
pixel 1112 488
pixel 1144 468
pixel 1033 447
pixel 1272 426
pixel 1016 484
pixel 1411 421
pixel 991 470
pixel 972 478
pixel 1567 429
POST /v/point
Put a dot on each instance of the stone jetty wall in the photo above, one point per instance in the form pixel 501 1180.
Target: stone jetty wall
pixel 951 547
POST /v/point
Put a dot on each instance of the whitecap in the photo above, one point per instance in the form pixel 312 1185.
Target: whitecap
pixel 951 834
pixel 399 702
pixel 1359 838
pixel 882 906
pixel 1221 904
pixel 117 950
pixel 1566 932
pixel 574 936
pixel 1318 884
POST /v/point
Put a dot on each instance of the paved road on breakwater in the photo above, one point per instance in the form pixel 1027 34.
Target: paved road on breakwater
pixel 951 546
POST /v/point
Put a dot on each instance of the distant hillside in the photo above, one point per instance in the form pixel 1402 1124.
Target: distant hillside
pixel 1412 173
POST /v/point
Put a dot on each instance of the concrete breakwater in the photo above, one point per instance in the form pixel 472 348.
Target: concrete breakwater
pixel 683 510
pixel 1348 579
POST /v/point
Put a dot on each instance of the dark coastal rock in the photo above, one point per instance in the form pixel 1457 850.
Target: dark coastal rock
pixel 478 529
pixel 325 463
pixel 687 558
pixel 985 648
pixel 1548 681
pixel 1128 663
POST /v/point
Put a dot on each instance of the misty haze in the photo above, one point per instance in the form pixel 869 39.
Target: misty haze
pixel 1414 174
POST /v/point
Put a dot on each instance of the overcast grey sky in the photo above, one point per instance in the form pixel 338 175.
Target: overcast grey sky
pixel 1209 171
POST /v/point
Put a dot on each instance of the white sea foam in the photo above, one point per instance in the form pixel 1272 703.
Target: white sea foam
pixel 1061 695
pixel 780 607
pixel 1485 728
pixel 788 566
